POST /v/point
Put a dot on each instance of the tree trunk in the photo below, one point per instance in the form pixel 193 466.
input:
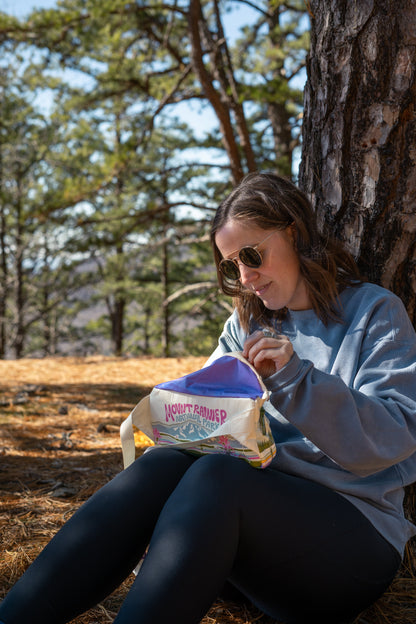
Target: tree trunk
pixel 277 111
pixel 117 324
pixel 19 283
pixel 118 306
pixel 359 134
pixel 282 136
pixel 119 302
pixel 3 274
pixel 148 311
pixel 46 322
pixel 224 72
pixel 165 295
pixel 205 77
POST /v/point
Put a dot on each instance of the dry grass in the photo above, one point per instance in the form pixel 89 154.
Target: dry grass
pixel 59 442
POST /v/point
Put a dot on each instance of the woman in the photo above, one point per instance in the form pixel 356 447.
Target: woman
pixel 319 534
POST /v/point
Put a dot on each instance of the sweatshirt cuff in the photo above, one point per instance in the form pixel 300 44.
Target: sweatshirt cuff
pixel 285 375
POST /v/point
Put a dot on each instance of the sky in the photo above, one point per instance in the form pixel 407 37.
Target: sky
pixel 21 8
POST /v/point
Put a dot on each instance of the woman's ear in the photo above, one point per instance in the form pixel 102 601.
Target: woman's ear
pixel 293 233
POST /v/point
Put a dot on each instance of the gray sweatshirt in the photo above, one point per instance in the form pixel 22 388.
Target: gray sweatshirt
pixel 343 410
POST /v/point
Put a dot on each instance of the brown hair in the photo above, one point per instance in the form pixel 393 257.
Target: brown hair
pixel 272 202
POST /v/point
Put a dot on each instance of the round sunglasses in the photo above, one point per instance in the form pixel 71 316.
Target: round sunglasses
pixel 249 256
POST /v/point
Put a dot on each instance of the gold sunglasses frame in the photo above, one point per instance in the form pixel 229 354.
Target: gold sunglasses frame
pixel 238 259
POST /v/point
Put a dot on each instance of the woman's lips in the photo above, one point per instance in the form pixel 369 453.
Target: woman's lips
pixel 261 290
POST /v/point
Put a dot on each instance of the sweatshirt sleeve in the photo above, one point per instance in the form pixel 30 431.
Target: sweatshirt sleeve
pixel 369 424
pixel 232 338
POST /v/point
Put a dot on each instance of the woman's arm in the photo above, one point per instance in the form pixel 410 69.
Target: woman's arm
pixel 365 427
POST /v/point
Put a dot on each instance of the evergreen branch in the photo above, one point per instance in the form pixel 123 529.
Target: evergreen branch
pixel 168 97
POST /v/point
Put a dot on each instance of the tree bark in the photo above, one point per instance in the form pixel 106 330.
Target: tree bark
pixel 359 134
pixel 224 71
pixel 20 297
pixel 165 305
pixel 3 268
pixel 117 324
pixel 277 111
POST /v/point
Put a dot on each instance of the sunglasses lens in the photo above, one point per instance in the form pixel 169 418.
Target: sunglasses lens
pixel 229 269
pixel 250 257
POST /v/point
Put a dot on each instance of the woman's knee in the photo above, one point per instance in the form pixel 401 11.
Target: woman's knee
pixel 210 492
pixel 165 458
pixel 152 476
pixel 214 472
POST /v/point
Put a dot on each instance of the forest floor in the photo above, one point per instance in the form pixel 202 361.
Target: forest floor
pixel 59 442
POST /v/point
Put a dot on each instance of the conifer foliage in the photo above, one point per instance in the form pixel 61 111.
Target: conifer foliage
pixel 123 124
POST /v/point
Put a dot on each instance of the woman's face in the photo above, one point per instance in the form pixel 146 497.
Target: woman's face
pixel 278 281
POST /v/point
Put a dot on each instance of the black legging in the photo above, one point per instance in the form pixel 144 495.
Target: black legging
pixel 297 550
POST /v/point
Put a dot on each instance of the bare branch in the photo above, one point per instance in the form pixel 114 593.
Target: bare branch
pixel 187 289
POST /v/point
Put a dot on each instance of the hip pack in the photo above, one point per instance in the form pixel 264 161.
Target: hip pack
pixel 218 409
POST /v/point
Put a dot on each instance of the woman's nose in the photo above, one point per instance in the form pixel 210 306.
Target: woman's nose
pixel 247 274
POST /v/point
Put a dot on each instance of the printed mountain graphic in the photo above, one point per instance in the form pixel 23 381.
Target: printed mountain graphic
pixel 188 430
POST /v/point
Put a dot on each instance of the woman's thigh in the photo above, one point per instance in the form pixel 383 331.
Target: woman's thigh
pixel 300 551
pixel 305 552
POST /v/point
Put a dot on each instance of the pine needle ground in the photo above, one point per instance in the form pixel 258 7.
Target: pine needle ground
pixel 59 442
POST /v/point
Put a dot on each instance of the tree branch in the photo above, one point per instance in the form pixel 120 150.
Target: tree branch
pixel 187 289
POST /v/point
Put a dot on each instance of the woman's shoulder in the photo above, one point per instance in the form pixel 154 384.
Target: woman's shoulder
pixel 369 294
pixel 376 305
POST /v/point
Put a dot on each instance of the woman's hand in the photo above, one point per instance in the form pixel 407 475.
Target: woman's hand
pixel 267 352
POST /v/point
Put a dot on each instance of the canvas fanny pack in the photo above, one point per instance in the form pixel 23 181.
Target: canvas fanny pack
pixel 218 409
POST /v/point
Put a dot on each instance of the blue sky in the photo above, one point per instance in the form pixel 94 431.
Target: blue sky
pixel 20 8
